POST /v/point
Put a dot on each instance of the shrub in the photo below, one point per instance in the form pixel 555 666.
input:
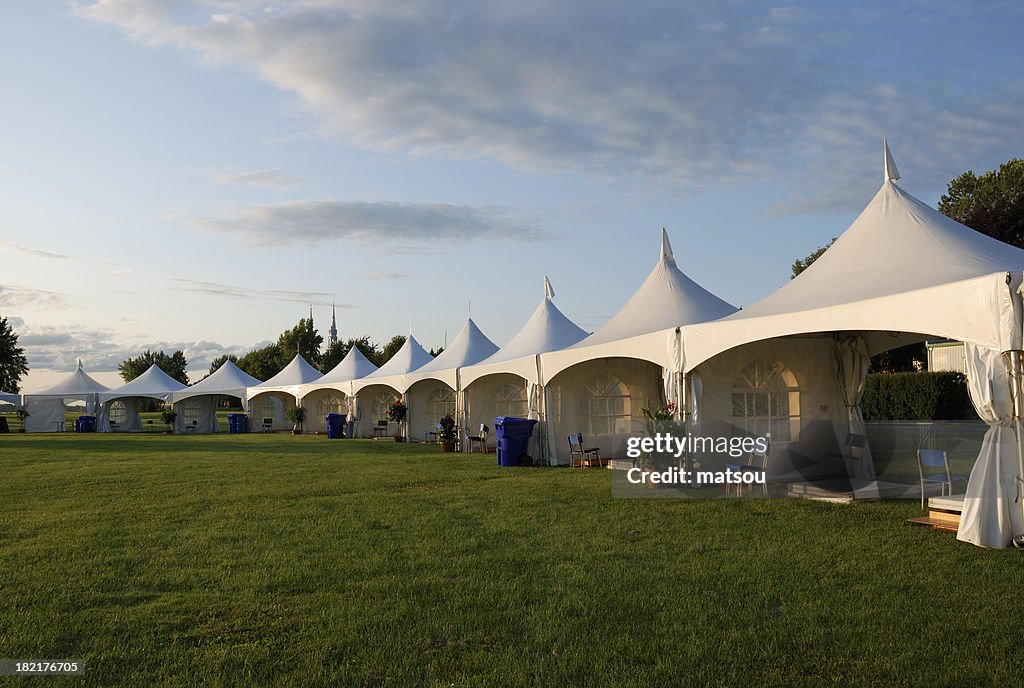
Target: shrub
pixel 917 396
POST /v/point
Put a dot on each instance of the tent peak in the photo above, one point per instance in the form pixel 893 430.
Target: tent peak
pixel 666 247
pixel 891 173
pixel 549 291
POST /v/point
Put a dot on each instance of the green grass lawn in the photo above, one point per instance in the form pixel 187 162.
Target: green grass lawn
pixel 280 560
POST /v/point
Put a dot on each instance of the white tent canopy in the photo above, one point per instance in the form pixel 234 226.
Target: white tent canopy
pixel 269 402
pixel 332 393
pixel 196 405
pixel 9 398
pixel 152 384
pixel 387 383
pixel 899 272
pixel 46 408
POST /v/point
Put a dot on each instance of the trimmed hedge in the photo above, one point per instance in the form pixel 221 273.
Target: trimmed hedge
pixel 917 396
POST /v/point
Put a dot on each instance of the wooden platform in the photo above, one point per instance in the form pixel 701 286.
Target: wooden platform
pixel 846 491
pixel 943 513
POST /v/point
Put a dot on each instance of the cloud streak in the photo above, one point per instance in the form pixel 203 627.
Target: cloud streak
pixel 313 222
pixel 262 178
pixel 313 298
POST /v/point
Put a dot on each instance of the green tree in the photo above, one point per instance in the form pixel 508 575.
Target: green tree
pixel 339 350
pixel 801 264
pixel 389 350
pixel 992 203
pixel 13 363
pixel 262 364
pixel 174 365
pixel 302 339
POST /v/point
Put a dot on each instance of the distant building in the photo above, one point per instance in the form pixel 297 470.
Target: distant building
pixel 333 339
pixel 946 354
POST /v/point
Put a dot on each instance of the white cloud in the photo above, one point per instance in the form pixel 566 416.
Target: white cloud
pixel 13 296
pixel 688 93
pixel 312 298
pixel 264 178
pixel 312 222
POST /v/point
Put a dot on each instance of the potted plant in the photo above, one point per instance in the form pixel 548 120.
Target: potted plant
pixel 396 414
pixel 658 421
pixel 446 436
pixel 168 416
pixel 297 416
pixel 22 414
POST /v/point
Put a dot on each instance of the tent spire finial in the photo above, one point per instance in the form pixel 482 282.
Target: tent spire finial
pixel 549 291
pixel 666 246
pixel 891 173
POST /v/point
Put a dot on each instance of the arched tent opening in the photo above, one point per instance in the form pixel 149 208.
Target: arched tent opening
pixel 374 401
pixel 498 394
pixel 394 375
pixel 319 402
pixel 601 399
pixel 196 405
pixel 429 400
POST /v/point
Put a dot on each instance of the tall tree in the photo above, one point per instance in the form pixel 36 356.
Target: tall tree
pixel 13 363
pixel 301 339
pixel 801 264
pixel 262 364
pixel 174 365
pixel 992 204
pixel 339 350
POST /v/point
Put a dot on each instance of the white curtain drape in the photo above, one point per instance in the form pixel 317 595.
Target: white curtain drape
pixel 537 446
pixel 992 506
pixel 852 364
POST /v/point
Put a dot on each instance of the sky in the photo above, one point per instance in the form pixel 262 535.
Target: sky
pixel 196 175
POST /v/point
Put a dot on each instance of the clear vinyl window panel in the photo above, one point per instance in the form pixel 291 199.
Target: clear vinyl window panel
pixel 381 402
pixel 441 401
pixel 328 404
pixel 605 407
pixel 766 401
pixel 118 412
pixel 510 400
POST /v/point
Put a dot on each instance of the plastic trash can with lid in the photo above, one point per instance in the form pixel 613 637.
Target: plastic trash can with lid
pixel 335 425
pixel 513 438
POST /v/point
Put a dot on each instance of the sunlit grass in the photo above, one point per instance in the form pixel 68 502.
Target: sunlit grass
pixel 273 559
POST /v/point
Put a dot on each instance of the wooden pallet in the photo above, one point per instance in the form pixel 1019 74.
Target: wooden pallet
pixel 937 523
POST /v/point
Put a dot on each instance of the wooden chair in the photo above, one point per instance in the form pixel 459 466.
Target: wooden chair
pixel 380 429
pixel 587 455
pixel 480 439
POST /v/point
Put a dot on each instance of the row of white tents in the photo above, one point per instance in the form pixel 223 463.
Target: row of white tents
pixel 792 366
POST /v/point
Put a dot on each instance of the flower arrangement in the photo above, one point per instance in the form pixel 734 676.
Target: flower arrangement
pixel 397 411
pixel 447 433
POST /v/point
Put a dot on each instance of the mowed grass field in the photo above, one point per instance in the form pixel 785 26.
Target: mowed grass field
pixel 295 561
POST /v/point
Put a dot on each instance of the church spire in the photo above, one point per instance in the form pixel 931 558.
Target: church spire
pixel 334 326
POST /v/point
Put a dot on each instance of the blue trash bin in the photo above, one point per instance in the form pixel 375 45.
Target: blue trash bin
pixel 85 424
pixel 335 425
pixel 237 423
pixel 513 438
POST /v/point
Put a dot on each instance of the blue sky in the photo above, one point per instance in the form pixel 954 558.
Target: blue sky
pixel 195 174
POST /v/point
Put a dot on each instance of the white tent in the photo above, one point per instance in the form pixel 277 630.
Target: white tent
pixel 270 400
pixel 332 393
pixel 196 405
pixel 46 408
pixel 431 390
pixel 507 383
pixel 376 391
pixel 795 362
pixel 598 386
pixel 120 407
pixel 9 398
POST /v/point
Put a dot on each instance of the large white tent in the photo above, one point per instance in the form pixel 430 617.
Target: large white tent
pixel 8 398
pixel 795 362
pixel 598 386
pixel 376 391
pixel 271 400
pixel 508 383
pixel 332 393
pixel 46 408
pixel 431 391
pixel 120 407
pixel 196 405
